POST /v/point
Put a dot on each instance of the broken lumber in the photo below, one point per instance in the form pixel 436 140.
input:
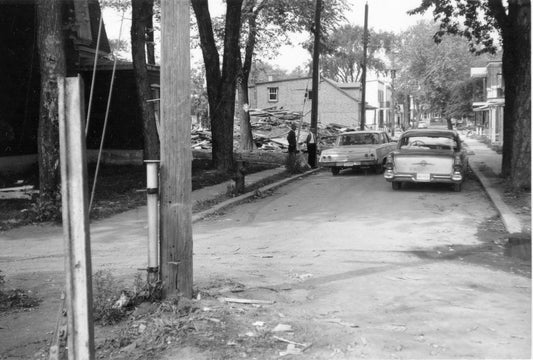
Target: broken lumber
pixel 247 301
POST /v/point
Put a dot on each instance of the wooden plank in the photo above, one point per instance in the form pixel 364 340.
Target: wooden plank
pixel 247 301
pixel 176 205
pixel 74 193
pixel 18 188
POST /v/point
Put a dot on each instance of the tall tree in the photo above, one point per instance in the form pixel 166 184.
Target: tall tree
pixel 433 72
pixel 343 60
pixel 265 25
pixel 142 53
pixel 50 44
pixel 141 26
pixel 251 10
pixel 220 81
pixel 476 20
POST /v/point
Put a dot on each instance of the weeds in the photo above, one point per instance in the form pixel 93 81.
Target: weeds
pixel 105 296
pixel 296 163
pixel 42 210
pixel 16 298
pixel 111 305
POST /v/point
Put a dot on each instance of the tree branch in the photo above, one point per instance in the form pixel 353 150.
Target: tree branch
pixel 498 11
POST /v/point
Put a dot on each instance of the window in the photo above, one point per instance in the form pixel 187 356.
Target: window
pixel 380 96
pixel 428 143
pixel 273 94
pixel 499 80
pixel 358 139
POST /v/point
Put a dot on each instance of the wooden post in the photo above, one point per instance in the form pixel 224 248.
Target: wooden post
pixel 316 79
pixel 176 155
pixel 238 176
pixel 74 192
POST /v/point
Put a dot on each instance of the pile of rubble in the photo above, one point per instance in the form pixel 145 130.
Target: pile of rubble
pixel 269 130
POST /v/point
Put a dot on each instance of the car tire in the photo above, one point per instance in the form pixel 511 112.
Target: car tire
pixel 458 187
pixel 396 185
pixel 335 171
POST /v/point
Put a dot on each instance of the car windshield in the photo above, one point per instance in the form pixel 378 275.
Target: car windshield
pixel 428 143
pixel 358 139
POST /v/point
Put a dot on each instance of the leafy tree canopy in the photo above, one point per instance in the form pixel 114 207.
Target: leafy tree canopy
pixel 436 74
pixel 275 20
pixel 473 19
pixel 343 53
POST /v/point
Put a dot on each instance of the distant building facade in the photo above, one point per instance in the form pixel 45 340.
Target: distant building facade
pixel 379 99
pixel 337 103
pixel 489 103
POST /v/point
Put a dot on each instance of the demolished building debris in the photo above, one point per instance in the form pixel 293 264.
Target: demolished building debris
pixel 269 130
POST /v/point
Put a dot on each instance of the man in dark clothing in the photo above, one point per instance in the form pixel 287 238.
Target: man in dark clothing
pixel 311 148
pixel 291 138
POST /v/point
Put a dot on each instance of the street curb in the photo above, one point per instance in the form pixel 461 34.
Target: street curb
pixel 233 201
pixel 510 221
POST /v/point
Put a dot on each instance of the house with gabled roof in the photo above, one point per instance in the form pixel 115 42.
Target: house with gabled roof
pixel 337 103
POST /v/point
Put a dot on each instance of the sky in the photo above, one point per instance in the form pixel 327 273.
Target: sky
pixel 384 15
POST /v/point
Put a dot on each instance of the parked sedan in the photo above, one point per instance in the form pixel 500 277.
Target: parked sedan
pixel 428 155
pixel 358 149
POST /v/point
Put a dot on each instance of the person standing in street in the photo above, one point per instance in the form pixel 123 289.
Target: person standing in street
pixel 291 138
pixel 311 148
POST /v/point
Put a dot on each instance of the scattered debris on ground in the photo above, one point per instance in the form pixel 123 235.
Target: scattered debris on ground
pixel 236 327
pixel 269 131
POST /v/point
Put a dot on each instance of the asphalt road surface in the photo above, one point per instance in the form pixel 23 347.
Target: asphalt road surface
pixel 365 271
pixel 354 268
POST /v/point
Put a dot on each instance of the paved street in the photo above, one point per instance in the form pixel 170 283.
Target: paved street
pixel 355 268
pixel 418 271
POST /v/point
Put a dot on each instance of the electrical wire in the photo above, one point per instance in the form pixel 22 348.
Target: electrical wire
pixel 94 74
pixel 106 117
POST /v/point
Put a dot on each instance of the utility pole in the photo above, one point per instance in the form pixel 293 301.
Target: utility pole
pixel 76 231
pixel 363 76
pixel 175 171
pixel 316 76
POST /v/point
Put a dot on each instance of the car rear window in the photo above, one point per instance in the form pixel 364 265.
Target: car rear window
pixel 358 139
pixel 428 143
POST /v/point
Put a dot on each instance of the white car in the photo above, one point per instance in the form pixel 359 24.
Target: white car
pixel 353 149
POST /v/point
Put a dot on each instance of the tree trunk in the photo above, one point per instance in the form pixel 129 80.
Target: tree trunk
pixel 141 12
pixel 220 86
pixel 516 152
pixel 52 65
pixel 247 142
pixel 449 123
pixel 150 42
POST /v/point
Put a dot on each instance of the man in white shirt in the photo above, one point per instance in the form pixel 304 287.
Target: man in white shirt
pixel 311 148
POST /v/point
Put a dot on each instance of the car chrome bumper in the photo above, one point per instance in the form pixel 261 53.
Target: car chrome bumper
pixel 347 164
pixel 454 178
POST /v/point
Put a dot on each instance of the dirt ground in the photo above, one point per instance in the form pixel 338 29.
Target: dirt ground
pixel 336 268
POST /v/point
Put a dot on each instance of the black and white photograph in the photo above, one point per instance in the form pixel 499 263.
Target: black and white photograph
pixel 265 179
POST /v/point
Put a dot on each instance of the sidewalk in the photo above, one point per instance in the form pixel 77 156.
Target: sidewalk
pixel 211 192
pixel 486 165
